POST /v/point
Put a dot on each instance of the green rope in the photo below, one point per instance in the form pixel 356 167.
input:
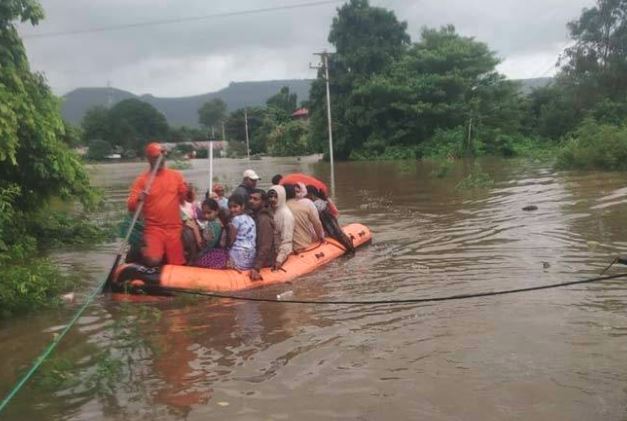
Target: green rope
pixel 40 360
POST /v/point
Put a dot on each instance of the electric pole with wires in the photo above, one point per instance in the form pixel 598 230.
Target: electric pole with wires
pixel 324 65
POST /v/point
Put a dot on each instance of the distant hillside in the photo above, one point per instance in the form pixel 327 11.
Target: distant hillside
pixel 182 111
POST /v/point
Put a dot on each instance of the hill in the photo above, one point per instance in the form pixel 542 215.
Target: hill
pixel 182 111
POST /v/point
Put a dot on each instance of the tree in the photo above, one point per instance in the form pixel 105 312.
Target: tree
pixel 95 124
pixel 132 124
pixel 289 139
pixel 235 128
pixel 72 136
pixel 367 40
pixel 211 113
pixel 33 155
pixel 444 81
pixel 597 60
pixel 99 149
pixel 283 101
pixel 592 81
pixel 186 134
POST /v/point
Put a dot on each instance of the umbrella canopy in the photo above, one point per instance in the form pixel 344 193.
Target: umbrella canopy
pixel 308 180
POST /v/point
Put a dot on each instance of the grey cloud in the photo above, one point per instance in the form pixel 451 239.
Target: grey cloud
pixel 195 57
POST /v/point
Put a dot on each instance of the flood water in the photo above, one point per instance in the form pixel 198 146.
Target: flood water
pixel 558 354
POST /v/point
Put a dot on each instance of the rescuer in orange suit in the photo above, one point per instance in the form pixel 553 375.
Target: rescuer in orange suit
pixel 161 211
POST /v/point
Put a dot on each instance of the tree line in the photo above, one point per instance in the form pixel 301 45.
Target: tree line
pixel 130 124
pixel 437 96
pixel 441 95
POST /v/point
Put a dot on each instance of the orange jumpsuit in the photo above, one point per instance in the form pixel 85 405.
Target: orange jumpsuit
pixel 162 214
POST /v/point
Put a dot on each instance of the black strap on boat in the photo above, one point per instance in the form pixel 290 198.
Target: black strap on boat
pixel 399 301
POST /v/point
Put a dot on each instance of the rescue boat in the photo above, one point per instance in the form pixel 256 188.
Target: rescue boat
pixel 136 278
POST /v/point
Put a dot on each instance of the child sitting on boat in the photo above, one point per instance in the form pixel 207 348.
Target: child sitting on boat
pixel 241 235
pixel 212 223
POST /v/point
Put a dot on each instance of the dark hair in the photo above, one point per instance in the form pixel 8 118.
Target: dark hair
pixel 211 204
pixel 276 179
pixel 313 191
pixel 290 191
pixel 261 192
pixel 215 206
pixel 236 199
pixel 322 195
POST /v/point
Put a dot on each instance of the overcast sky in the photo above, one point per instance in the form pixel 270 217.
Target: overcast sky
pixel 203 56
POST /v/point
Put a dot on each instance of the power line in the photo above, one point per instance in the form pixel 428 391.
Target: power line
pixel 398 301
pixel 181 20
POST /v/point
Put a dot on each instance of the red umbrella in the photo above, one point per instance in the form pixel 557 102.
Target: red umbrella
pixel 308 180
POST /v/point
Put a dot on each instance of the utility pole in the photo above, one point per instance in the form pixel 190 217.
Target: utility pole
pixel 247 140
pixel 324 56
pixel 223 135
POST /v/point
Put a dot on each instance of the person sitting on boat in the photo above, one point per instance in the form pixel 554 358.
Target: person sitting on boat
pixel 264 223
pixel 329 221
pixel 249 183
pixel 276 179
pixel 191 237
pixel 161 210
pixel 241 235
pixel 307 226
pixel 218 195
pixel 212 223
pixel 283 225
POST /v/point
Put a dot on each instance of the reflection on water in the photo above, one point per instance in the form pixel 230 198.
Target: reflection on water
pixel 555 354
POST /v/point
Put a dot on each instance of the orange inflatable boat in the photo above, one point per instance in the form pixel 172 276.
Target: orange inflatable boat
pixel 137 278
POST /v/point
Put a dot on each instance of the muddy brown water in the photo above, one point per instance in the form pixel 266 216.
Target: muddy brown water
pixel 557 354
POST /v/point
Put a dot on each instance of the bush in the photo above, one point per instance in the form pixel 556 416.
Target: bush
pixel 444 144
pixel 29 283
pixel 99 150
pixel 595 146
pixel 389 153
pixel 289 139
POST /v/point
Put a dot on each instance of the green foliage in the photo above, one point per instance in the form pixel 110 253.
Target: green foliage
pixel 283 101
pixel 447 144
pixel 72 136
pixel 477 179
pixel 440 84
pixel 30 283
pixel 95 124
pixel 366 38
pixel 131 124
pixel 289 139
pixel 212 112
pixel 595 146
pixel 597 60
pixel 33 154
pixel 593 77
pixel 134 123
pixel 36 165
pixel 99 150
pixel 367 41
pixel 186 134
pixel 234 127
pixel 54 229
pixel 236 149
